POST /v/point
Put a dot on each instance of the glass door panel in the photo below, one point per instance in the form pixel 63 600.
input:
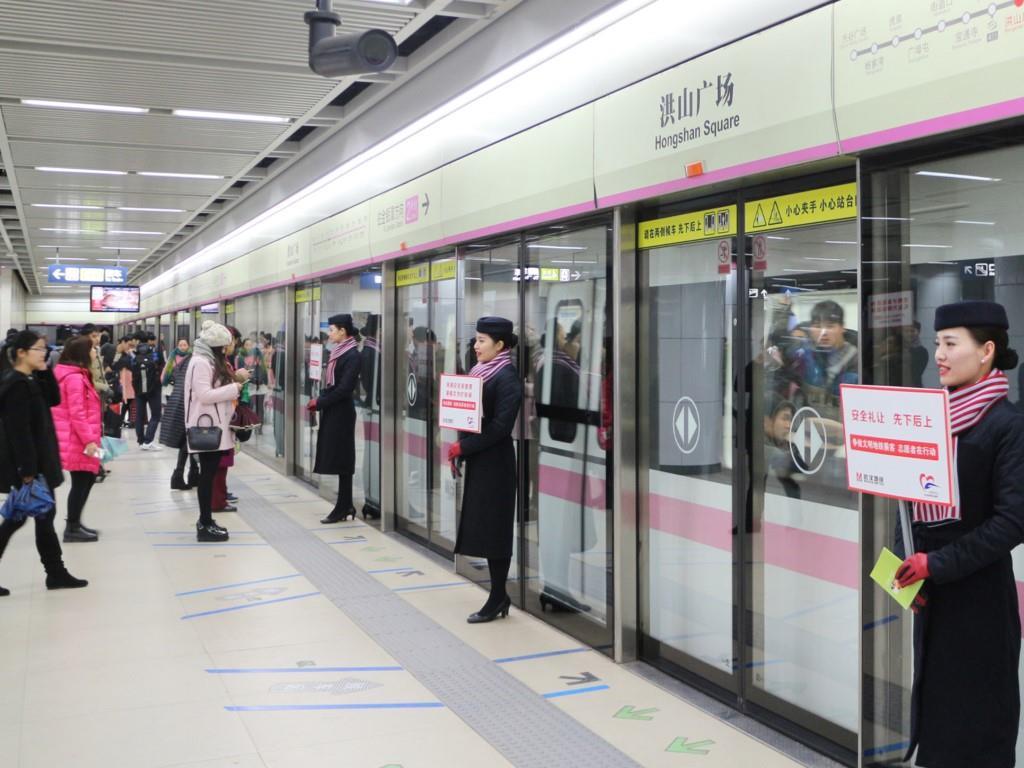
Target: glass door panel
pixel 307 381
pixel 686 445
pixel 805 528
pixel 567 531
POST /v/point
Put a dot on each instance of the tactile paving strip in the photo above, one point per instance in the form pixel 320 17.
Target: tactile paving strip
pixel 526 729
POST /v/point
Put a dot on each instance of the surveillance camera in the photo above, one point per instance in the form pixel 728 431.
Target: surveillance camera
pixel 357 53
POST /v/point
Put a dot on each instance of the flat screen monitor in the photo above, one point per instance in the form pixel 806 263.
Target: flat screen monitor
pixel 209 309
pixel 114 298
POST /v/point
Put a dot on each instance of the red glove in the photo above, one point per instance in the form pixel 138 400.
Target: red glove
pixel 311 405
pixel 920 601
pixel 912 570
pixel 454 453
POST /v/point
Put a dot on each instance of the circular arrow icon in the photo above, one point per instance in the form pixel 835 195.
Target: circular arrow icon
pixel 411 389
pixel 808 441
pixel 686 425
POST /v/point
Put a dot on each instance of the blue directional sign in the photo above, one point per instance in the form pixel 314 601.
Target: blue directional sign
pixel 65 273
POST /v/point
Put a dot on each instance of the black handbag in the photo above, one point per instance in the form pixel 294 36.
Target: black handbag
pixel 203 439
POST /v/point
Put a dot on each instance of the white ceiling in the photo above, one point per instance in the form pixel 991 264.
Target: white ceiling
pixel 164 55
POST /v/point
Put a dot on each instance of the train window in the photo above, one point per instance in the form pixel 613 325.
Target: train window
pixel 563 392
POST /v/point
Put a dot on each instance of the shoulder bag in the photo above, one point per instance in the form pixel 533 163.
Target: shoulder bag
pixel 202 438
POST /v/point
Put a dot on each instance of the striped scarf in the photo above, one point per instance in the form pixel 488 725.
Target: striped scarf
pixel 967 406
pixel 487 370
pixel 332 361
pixel 370 343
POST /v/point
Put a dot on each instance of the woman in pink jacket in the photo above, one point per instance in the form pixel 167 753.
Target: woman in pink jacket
pixel 78 421
pixel 210 391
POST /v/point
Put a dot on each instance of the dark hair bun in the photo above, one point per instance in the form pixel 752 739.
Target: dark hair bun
pixel 1006 359
pixel 512 341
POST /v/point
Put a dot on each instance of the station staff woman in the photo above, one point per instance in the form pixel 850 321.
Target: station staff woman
pixel 336 442
pixel 489 496
pixel 211 388
pixel 27 392
pixel 966 698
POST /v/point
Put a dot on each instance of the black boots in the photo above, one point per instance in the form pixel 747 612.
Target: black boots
pixel 485 614
pixel 193 476
pixel 211 532
pixel 4 592
pixel 339 516
pixel 178 481
pixel 63 580
pixel 79 533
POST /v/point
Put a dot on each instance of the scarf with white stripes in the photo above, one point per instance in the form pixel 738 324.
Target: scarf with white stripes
pixel 967 406
pixel 487 370
pixel 332 361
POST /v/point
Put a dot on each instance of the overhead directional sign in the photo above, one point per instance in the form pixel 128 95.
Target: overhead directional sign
pixel 686 425
pixel 63 273
pixel 808 440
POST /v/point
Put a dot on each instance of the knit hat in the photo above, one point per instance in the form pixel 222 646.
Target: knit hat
pixel 971 314
pixel 215 334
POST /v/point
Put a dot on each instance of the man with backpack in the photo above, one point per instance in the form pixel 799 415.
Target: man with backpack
pixel 147 369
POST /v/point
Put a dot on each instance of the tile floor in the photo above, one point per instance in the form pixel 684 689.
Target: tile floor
pixel 180 654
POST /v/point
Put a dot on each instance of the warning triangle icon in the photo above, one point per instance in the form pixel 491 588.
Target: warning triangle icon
pixel 776 217
pixel 759 217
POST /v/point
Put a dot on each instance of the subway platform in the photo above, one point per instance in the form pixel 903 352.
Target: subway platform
pixel 298 645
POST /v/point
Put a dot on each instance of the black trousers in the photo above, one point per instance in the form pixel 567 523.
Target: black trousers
pixel 344 502
pixel 184 455
pixel 47 543
pixel 81 485
pixel 209 463
pixel 144 433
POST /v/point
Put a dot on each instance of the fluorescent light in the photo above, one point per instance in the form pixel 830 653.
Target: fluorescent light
pixel 239 116
pixel 924 245
pixel 53 169
pixel 558 247
pixel 84 106
pixel 76 207
pixel 820 258
pixel 65 258
pixel 979 223
pixel 840 242
pixel 943 263
pixel 964 176
pixel 132 232
pixel 152 210
pixel 170 175
pixel 123 261
pixel 65 229
pixel 121 248
pixel 776 237
pixel 885 218
pixel 56 246
pixel 810 271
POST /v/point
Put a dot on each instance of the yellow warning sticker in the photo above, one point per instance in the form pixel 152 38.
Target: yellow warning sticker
pixel 688 227
pixel 412 275
pixel 801 209
pixel 443 270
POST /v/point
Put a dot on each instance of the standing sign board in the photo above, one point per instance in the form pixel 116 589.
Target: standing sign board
pixel 898 443
pixel 461 402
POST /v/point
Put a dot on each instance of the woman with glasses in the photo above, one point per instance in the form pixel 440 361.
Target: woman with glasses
pixel 27 392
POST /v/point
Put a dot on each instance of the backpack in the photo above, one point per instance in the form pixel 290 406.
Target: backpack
pixel 146 368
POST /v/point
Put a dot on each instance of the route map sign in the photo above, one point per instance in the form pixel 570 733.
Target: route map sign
pixel 898 442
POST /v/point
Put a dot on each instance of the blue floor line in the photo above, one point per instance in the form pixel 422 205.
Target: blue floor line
pixel 900 746
pixel 434 586
pixel 314 707
pixel 238 584
pixel 574 691
pixel 360 540
pixel 248 605
pixel 193 533
pixel 542 655
pixel 881 622
pixel 393 570
pixel 201 544
pixel 291 670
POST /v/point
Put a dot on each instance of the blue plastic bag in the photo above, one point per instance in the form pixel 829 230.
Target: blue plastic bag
pixel 31 500
pixel 113 447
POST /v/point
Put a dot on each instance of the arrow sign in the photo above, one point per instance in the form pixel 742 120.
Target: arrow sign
pixel 386 559
pixel 426 203
pixel 576 275
pixel 406 574
pixel 582 678
pixel 371 549
pixel 58 273
pixel 628 713
pixel 684 747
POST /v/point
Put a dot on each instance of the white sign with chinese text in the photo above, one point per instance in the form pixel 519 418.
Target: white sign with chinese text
pixel 461 402
pixel 316 361
pixel 898 442
pixel 891 310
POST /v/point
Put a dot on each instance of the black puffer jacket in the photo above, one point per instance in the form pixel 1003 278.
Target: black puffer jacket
pixel 29 426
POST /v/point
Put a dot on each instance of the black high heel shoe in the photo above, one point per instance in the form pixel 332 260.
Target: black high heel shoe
pixel 501 611
pixel 339 517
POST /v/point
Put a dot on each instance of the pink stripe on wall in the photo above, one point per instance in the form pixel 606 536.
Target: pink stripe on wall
pixel 572 486
pixel 705 525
